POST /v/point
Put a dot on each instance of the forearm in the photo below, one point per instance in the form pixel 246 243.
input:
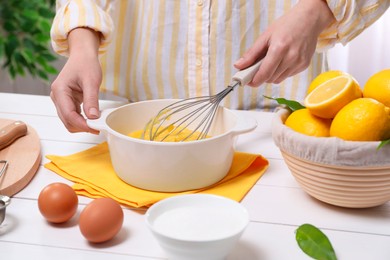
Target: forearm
pixel 318 12
pixel 74 14
pixel 84 40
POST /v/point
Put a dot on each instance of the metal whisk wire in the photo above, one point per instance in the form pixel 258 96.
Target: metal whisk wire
pixel 201 112
pixel 207 107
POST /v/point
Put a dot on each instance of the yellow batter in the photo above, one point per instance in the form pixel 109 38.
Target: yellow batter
pixel 173 137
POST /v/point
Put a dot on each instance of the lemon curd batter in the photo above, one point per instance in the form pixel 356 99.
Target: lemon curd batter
pixel 172 137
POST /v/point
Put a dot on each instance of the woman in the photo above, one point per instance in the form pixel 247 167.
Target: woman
pixel 182 48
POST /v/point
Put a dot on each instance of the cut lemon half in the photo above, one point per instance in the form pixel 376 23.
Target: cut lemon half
pixel 332 95
pixel 325 76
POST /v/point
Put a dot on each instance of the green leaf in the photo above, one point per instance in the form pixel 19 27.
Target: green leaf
pixel 12 71
pixel 292 104
pixel 11 45
pixel 48 56
pixel 314 243
pixel 20 70
pixel 41 61
pixel 1 47
pixel 32 69
pixel 50 69
pixel 383 143
pixel 43 75
pixel 28 27
pixel 31 14
pixel 44 26
pixel 46 13
pixel 27 55
pixel 42 37
pixel 9 26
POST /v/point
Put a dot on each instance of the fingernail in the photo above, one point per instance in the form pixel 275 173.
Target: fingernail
pixel 94 112
pixel 239 61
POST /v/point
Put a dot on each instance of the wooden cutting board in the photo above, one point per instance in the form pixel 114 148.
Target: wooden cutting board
pixel 23 156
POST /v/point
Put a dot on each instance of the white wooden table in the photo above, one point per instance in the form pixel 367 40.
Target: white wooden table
pixel 276 204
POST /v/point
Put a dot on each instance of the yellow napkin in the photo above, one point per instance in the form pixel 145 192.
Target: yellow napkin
pixel 94 177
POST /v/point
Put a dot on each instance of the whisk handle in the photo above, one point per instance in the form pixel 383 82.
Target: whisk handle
pixel 246 75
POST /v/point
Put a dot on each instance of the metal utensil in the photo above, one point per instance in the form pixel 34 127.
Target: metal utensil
pixel 4 202
pixel 198 112
pixel 4 167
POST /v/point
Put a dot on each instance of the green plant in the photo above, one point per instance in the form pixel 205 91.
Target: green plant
pixel 25 38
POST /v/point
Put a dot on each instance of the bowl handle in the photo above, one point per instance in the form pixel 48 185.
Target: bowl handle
pixel 244 125
pixel 100 123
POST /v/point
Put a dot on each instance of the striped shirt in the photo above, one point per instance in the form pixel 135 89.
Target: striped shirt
pixel 183 48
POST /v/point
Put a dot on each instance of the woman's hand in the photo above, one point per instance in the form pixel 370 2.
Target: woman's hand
pixel 79 81
pixel 288 44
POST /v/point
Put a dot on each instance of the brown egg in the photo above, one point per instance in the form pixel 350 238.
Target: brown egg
pixel 101 220
pixel 57 202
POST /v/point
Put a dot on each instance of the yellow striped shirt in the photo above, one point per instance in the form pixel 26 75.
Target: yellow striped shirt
pixel 183 48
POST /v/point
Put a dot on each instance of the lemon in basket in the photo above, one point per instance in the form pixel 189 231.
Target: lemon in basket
pixel 363 119
pixel 378 87
pixel 304 122
pixel 321 78
pixel 329 97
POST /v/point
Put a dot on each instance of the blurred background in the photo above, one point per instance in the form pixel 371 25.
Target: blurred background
pixel 28 64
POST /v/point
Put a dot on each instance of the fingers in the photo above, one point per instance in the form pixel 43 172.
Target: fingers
pixel 90 100
pixel 286 47
pixel 255 53
pixel 78 85
pixel 67 102
pixel 281 60
pixel 292 63
pixel 272 55
pixel 269 66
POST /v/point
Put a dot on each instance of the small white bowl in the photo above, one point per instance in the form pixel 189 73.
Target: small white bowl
pixel 197 226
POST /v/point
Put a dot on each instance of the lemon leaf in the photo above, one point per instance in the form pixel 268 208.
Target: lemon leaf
pixel 383 143
pixel 314 242
pixel 292 104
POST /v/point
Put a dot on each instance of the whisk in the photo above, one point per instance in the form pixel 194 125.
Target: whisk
pixel 198 112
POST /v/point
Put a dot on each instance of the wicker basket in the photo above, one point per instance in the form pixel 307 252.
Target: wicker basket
pixel 341 173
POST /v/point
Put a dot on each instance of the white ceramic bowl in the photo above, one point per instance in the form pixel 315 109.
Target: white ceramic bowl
pixel 342 173
pixel 168 166
pixel 197 226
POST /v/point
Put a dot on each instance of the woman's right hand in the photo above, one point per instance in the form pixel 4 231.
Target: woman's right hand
pixel 76 87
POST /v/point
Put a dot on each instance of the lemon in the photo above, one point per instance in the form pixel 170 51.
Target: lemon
pixel 321 78
pixel 329 97
pixel 364 119
pixel 378 87
pixel 306 123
